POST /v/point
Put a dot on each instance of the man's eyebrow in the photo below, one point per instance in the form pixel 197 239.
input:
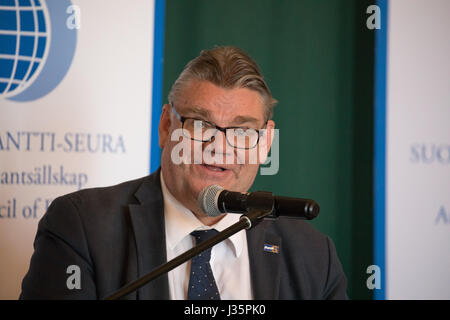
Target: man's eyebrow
pixel 244 119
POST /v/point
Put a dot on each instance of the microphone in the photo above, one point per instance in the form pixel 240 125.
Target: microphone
pixel 214 200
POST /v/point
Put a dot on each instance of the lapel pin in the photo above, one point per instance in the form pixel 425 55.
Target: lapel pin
pixel 270 248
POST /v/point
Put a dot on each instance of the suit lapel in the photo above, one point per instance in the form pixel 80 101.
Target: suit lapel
pixel 264 265
pixel 148 224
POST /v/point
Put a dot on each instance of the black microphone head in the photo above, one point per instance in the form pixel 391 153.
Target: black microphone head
pixel 296 208
pixel 312 210
pixel 207 200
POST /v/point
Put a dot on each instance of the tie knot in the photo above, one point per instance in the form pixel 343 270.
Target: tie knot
pixel 203 235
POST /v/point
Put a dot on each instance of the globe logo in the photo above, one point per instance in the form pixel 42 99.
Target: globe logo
pixel 36 47
pixel 24 39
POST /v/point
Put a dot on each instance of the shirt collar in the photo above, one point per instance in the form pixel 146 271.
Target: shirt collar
pixel 180 222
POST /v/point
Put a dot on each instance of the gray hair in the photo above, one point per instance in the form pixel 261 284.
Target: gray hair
pixel 227 67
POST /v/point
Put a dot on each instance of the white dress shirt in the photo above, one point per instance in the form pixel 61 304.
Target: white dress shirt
pixel 229 258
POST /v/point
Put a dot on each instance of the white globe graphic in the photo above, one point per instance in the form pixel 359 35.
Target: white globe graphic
pixel 24 43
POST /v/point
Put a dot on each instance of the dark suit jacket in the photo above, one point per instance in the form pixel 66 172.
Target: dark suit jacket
pixel 116 235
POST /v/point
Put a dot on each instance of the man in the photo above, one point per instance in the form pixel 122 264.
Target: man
pixel 117 234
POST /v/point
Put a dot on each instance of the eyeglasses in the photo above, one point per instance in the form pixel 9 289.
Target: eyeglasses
pixel 205 131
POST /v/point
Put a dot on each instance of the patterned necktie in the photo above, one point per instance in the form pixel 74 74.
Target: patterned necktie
pixel 202 285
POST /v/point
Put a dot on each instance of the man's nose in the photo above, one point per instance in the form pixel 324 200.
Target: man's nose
pixel 218 145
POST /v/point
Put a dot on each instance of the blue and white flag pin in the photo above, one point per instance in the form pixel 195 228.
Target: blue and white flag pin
pixel 270 248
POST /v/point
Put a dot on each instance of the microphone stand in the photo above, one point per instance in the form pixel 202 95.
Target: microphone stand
pixel 246 221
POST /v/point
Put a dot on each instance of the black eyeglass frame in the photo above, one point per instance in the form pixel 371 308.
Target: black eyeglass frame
pixel 213 125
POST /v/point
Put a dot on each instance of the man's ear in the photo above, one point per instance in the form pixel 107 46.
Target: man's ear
pixel 270 133
pixel 164 125
pixel 266 142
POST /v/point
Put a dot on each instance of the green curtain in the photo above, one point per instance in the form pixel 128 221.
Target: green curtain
pixel 317 57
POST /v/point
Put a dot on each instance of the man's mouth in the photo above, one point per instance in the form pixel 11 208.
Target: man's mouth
pixel 213 168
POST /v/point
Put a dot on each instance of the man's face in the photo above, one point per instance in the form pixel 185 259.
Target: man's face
pixel 203 100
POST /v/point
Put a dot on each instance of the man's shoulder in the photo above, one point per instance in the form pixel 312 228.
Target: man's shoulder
pixel 104 196
pixel 97 212
pixel 101 202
